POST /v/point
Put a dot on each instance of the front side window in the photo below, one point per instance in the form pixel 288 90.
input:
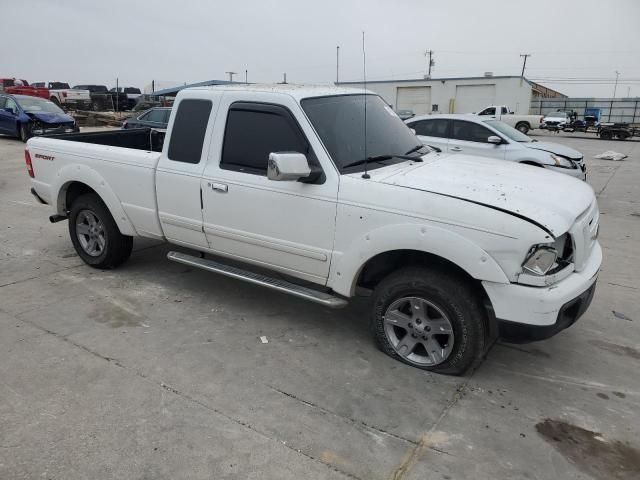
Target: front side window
pixel 187 136
pixel 470 132
pixel 253 131
pixel 431 128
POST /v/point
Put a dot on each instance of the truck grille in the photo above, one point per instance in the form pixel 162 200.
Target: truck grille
pixel 584 233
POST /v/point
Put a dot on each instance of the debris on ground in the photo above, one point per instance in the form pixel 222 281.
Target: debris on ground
pixel 611 155
pixel 263 339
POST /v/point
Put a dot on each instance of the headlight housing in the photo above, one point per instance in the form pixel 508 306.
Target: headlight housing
pixel 540 259
pixel 561 161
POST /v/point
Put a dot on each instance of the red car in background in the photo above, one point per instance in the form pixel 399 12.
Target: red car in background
pixel 15 86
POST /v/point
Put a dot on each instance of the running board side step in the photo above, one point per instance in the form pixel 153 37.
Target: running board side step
pixel 316 296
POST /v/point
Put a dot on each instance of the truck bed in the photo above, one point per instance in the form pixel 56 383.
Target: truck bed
pixel 148 139
pixel 122 162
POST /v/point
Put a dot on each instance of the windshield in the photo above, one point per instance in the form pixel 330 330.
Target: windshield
pixel 509 132
pixel 58 85
pixel 38 105
pixel 339 120
pixel 557 115
pixel 131 90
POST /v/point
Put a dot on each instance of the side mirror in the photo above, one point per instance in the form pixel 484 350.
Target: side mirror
pixel 287 166
pixel 494 139
pixel 9 110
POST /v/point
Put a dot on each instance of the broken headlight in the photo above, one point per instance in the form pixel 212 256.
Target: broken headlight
pixel 540 260
pixel 561 161
pixel 549 258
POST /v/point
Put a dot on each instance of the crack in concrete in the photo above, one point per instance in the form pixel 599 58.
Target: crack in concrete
pixel 183 395
pixel 358 423
pixel 426 443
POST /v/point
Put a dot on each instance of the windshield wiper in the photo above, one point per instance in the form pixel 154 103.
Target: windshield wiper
pixel 415 149
pixel 381 158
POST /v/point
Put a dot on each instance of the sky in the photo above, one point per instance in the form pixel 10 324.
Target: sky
pixel 576 46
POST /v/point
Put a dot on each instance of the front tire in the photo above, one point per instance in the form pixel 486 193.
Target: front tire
pixel 523 127
pixel 95 234
pixel 429 319
pixel 24 131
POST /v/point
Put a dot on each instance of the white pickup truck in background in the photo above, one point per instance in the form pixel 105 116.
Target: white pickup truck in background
pixel 452 250
pixel 66 97
pixel 523 123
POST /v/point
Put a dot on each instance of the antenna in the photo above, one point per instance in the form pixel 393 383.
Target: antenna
pixel 365 175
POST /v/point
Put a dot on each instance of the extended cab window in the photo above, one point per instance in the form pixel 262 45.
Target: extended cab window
pixel 470 132
pixel 488 111
pixel 253 131
pixel 504 111
pixel 187 136
pixel 431 128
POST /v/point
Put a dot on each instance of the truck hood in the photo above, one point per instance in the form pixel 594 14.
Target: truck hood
pixel 550 200
pixel 51 117
pixel 555 148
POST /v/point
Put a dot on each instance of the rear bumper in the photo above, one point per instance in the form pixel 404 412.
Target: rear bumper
pixel 77 104
pixel 44 130
pixel 545 309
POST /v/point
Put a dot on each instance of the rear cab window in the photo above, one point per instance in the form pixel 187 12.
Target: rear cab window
pixel 189 129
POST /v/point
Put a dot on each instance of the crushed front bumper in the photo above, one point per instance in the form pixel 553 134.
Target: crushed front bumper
pixel 540 312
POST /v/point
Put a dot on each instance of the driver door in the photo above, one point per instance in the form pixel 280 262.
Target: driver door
pixel 283 225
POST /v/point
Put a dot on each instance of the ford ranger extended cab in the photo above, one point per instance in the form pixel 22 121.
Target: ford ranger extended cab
pixel 451 250
pixel 523 123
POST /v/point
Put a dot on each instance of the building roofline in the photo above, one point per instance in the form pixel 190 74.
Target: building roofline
pixel 443 79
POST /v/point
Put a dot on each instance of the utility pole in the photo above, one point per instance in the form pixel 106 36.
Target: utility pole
pixel 615 87
pixel 524 64
pixel 246 75
pixel 231 74
pixel 430 62
pixel 284 80
pixel 337 64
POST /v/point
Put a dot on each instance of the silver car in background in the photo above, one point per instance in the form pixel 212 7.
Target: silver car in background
pixel 473 135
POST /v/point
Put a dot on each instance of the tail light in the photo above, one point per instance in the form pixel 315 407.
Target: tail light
pixel 27 159
pixel 64 94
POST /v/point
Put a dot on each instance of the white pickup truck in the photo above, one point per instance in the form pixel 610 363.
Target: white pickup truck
pixel 523 123
pixel 452 250
pixel 66 97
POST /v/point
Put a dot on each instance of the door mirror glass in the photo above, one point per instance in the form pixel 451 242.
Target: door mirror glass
pixel 494 139
pixel 287 166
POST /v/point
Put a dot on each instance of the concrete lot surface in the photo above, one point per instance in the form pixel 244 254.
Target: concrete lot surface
pixel 156 371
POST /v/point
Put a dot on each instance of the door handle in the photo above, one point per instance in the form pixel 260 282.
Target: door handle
pixel 220 187
pixel 456 149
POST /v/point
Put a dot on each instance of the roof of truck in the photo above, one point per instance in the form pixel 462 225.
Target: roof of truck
pixel 298 91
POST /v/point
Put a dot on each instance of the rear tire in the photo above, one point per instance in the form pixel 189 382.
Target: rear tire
pixel 24 132
pixel 429 319
pixel 523 127
pixel 95 234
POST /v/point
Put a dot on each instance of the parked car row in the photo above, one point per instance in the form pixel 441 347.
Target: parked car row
pixel 80 97
pixel 450 250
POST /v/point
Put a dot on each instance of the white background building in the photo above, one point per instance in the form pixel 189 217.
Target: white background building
pixel 458 95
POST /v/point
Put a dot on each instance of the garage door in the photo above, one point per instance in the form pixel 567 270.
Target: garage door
pixel 473 98
pixel 416 99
